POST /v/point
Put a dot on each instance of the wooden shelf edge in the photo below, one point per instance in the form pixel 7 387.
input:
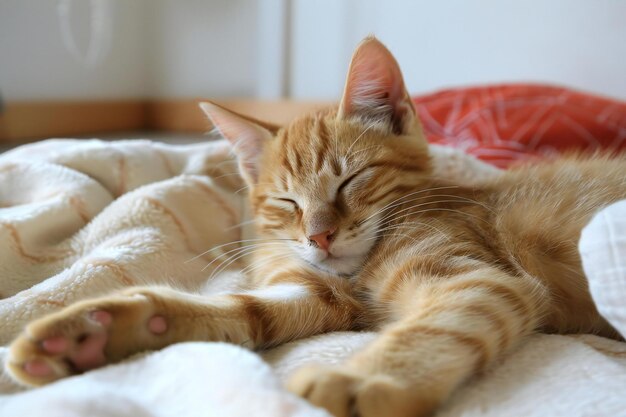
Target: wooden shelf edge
pixel 31 120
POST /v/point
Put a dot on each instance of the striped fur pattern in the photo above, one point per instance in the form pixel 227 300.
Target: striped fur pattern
pixel 356 232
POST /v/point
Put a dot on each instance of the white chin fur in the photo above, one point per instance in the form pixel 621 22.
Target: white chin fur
pixel 346 265
pixel 342 265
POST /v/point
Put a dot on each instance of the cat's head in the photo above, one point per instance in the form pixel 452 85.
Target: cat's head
pixel 326 180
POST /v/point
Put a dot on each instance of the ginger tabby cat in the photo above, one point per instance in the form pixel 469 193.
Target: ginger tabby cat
pixel 359 234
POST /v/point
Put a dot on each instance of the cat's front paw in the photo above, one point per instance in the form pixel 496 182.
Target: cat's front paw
pixel 85 336
pixel 347 393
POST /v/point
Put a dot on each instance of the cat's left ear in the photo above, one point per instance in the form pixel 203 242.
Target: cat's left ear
pixel 246 136
pixel 375 91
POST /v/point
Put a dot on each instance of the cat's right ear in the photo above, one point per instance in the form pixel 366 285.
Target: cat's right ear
pixel 375 91
pixel 246 137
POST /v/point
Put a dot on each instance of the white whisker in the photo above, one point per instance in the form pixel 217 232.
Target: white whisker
pixel 242 249
pixel 359 137
pixel 262 262
pixel 240 224
pixel 397 200
pixel 234 242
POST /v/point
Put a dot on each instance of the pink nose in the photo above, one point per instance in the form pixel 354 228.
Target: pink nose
pixel 323 239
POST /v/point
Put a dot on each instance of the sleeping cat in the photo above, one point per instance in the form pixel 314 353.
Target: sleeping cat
pixel 357 233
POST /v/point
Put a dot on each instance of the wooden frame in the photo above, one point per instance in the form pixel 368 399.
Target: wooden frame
pixel 33 120
pixel 26 121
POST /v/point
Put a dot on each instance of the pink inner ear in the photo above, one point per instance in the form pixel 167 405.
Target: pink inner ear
pixel 370 81
pixel 246 137
pixel 375 85
pixel 229 125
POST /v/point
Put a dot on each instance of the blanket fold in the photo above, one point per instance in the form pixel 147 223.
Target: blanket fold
pixel 80 219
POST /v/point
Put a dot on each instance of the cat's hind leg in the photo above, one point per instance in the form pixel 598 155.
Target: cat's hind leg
pixel 453 329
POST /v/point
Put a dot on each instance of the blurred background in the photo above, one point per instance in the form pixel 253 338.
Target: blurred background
pixel 81 67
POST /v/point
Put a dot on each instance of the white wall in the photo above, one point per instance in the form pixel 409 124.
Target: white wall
pixel 580 43
pixel 202 48
pixel 301 48
pixel 150 48
pixel 35 63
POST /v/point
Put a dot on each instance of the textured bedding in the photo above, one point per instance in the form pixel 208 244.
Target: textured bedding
pixel 508 124
pixel 83 218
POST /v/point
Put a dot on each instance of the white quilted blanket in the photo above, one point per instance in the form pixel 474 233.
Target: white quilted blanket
pixel 83 218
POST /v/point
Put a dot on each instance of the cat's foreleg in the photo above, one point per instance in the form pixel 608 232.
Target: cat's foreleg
pixel 453 328
pixel 95 332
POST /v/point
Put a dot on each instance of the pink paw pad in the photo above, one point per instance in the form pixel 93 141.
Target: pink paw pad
pixel 157 324
pixel 103 317
pixel 57 344
pixel 37 367
pixel 90 352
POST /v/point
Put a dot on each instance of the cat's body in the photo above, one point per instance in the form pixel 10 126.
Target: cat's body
pixel 356 232
pixel 518 224
pixel 526 221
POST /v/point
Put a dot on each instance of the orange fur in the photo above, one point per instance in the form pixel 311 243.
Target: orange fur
pixel 452 276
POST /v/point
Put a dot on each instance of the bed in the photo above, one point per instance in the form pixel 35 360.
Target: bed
pixel 82 218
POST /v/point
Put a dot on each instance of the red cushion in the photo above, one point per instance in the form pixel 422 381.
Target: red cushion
pixel 505 124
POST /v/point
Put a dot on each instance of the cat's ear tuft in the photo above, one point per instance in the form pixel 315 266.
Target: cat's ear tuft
pixel 246 137
pixel 375 91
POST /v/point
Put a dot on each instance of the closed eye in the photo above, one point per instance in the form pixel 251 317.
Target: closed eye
pixel 288 200
pixel 346 182
pixel 360 176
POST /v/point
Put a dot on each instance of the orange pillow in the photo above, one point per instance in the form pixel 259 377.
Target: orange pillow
pixel 505 124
